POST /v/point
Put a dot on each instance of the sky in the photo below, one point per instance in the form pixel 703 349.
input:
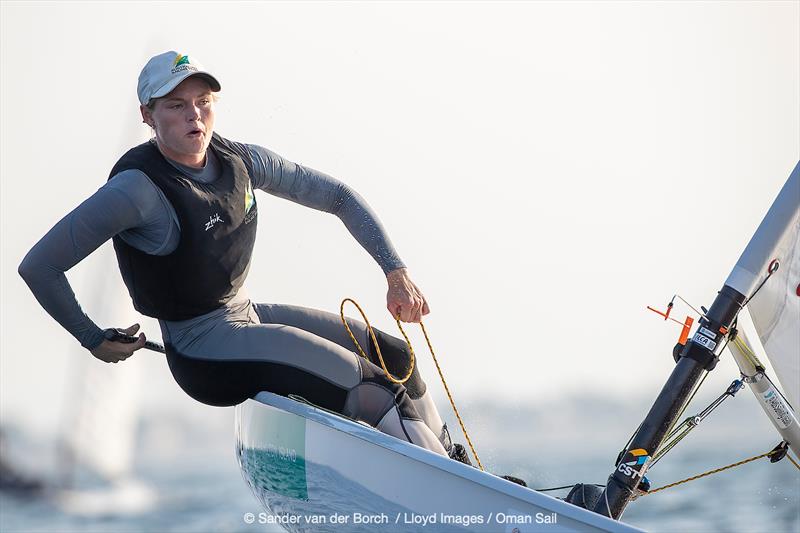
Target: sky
pixel 546 171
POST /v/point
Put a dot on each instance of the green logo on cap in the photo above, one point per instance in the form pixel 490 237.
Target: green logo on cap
pixel 181 60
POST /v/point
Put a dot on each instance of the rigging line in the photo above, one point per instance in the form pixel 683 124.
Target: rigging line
pixel 771 269
pixel 693 421
pixel 672 429
pixel 685 428
pixel 754 360
pixel 777 389
pixel 679 429
pixel 690 305
pixel 704 474
pixel 567 487
pixel 751 357
pixel 722 350
pixel 608 507
pixel 696 389
pixel 668 444
pixel 686 404
pixel 629 441
pixel 666 447
pixel 788 456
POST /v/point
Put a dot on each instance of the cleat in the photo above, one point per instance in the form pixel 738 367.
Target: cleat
pixel 459 453
pixel 516 480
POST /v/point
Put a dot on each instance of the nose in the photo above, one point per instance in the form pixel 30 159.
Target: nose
pixel 193 112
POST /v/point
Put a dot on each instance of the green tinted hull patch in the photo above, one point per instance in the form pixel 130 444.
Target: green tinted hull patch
pixel 277 461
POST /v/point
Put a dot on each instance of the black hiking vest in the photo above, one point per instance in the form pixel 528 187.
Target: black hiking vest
pixel 217 234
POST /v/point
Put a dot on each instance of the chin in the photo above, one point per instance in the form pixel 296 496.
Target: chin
pixel 195 148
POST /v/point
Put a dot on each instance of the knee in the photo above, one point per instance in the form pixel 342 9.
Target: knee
pixel 397 358
pixel 376 395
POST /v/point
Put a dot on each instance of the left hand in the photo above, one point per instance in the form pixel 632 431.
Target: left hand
pixel 114 351
pixel 405 298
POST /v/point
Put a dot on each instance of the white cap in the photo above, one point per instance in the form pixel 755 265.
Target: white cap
pixel 165 71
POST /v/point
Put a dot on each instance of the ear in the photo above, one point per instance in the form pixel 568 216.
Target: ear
pixel 147 116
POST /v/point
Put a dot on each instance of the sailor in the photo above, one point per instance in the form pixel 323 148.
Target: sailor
pixel 182 215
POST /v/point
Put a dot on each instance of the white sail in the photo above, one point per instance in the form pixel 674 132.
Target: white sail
pixel 775 311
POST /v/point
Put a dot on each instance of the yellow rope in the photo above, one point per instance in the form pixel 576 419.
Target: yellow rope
pixel 789 456
pixel 748 352
pixel 449 396
pixel 411 368
pixel 710 472
pixel 375 343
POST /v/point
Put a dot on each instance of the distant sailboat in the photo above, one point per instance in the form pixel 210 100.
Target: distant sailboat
pixel 99 426
pixel 12 480
pixel 100 419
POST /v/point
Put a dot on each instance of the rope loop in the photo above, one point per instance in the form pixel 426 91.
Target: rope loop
pixel 393 379
pixel 389 375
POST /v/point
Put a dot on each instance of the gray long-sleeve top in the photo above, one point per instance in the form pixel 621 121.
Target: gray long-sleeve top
pixel 131 205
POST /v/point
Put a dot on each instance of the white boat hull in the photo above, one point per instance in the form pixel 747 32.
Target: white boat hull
pixel 316 471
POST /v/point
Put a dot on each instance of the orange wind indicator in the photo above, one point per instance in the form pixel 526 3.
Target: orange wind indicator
pixel 687 325
pixel 665 315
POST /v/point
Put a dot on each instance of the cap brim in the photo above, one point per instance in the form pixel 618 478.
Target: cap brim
pixel 174 82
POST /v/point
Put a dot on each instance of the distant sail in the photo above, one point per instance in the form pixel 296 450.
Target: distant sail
pixel 102 404
pixel 102 400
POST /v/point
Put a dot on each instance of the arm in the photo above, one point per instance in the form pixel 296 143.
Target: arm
pixel 275 175
pixel 106 213
pixel 279 177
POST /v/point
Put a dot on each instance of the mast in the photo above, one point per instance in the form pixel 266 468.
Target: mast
pixel 702 351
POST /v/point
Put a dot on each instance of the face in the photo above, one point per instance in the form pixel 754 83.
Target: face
pixel 183 121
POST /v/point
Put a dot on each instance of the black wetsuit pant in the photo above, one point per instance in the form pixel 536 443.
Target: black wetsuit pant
pixel 237 351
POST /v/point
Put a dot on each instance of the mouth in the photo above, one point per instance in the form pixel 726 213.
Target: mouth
pixel 194 134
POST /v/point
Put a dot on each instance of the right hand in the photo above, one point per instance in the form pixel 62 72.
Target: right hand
pixel 114 351
pixel 404 300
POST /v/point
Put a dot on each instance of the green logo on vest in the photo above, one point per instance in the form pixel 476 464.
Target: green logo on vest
pixel 249 198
